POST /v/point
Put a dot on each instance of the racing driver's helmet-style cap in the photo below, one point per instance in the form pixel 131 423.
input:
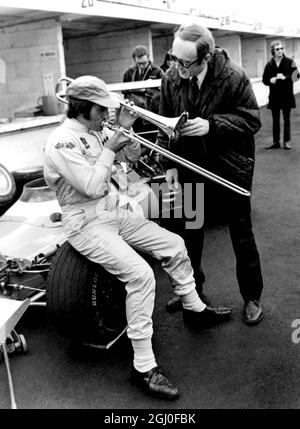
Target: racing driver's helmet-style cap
pixel 93 89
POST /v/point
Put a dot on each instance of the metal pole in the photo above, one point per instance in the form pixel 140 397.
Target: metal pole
pixel 10 383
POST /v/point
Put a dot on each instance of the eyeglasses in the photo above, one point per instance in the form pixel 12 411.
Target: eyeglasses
pixel 185 64
pixel 279 49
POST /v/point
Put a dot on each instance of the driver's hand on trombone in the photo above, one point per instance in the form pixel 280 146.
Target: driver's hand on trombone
pixel 172 179
pixel 126 117
pixel 195 127
pixel 117 141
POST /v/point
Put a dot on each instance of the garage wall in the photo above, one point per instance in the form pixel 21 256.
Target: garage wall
pixel 161 45
pixel 296 51
pixel 254 55
pixel 106 56
pixel 232 44
pixel 34 60
pixel 34 56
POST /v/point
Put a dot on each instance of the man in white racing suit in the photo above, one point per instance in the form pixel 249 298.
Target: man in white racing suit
pixel 79 157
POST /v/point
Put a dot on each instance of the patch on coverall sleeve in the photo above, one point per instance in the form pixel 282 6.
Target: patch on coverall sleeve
pixel 64 145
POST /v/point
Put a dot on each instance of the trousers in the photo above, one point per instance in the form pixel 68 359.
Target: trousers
pixel 111 238
pixel 236 213
pixel 286 112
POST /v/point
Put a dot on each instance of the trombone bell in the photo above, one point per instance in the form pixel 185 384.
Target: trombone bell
pixel 170 126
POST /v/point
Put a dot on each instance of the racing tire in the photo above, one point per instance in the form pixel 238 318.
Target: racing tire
pixel 7 186
pixel 84 301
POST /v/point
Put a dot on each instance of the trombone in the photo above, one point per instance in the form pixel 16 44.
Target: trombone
pixel 171 127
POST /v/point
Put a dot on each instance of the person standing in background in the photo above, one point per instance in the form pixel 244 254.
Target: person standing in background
pixel 147 98
pixel 143 69
pixel 279 75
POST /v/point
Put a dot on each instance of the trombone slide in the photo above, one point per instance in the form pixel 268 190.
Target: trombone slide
pixel 184 162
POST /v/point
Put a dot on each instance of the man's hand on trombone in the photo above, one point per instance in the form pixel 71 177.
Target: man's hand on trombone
pixel 195 127
pixel 117 141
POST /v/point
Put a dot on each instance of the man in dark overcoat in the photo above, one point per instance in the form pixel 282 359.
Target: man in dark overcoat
pixel 279 75
pixel 219 136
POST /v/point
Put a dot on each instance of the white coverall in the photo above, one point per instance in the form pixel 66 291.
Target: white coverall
pixel 78 168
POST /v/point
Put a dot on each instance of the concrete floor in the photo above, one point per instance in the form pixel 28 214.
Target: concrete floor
pixel 231 366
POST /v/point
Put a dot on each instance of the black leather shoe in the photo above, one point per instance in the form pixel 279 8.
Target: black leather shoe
pixel 175 304
pixel 155 383
pixel 286 146
pixel 273 146
pixel 210 316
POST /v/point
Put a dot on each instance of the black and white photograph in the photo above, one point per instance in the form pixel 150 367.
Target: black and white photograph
pixel 149 207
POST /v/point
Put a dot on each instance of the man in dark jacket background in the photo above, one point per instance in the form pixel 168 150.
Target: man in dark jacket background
pixel 279 75
pixel 219 136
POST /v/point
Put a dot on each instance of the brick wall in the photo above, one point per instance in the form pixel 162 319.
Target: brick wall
pixel 30 52
pixel 106 56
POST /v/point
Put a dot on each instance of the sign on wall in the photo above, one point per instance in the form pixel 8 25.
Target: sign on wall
pixel 48 55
